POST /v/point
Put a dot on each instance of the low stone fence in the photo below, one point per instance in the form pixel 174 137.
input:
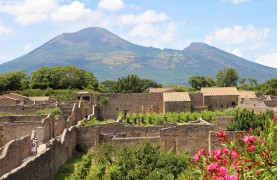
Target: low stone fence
pixel 14 153
pixel 133 141
pixel 20 110
pixel 21 118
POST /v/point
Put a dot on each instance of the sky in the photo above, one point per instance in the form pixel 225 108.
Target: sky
pixel 246 28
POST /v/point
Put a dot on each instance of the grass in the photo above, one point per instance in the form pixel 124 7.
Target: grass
pixel 54 111
pixel 93 121
pixel 68 168
pixel 6 114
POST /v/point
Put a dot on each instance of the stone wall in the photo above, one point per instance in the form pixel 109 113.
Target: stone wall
pixel 5 101
pixel 133 141
pixel 20 110
pixel 180 106
pixel 86 136
pixel 13 154
pixel 190 137
pixel 17 129
pixel 21 118
pixel 129 102
pixel 222 123
pixel 221 102
pixel 45 165
pixel 60 125
pixel 197 99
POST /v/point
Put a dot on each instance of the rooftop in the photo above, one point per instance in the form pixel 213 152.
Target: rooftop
pixel 176 96
pixel 220 91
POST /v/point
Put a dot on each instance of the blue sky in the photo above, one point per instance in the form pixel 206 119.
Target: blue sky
pixel 246 28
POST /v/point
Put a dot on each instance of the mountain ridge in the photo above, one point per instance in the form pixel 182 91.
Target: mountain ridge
pixel 109 56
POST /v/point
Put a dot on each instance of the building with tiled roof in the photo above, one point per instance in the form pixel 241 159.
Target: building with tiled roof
pixel 219 98
pixel 176 102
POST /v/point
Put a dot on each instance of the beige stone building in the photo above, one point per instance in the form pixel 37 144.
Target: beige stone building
pixel 176 102
pixel 219 98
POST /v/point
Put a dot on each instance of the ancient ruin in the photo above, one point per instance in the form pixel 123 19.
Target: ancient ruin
pixel 60 137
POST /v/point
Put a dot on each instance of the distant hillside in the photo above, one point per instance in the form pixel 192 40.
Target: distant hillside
pixel 109 57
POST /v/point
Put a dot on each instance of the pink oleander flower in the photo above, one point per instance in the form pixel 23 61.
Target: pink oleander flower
pixel 234 154
pixel 224 150
pixel 262 140
pixel 222 171
pixel 217 153
pixel 275 116
pixel 251 148
pixel 229 177
pixel 201 151
pixel 224 161
pixel 221 134
pixel 196 157
pixel 212 167
pixel 247 139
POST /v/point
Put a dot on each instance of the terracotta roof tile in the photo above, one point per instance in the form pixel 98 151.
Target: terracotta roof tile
pixel 247 94
pixel 160 90
pixel 220 91
pixel 176 96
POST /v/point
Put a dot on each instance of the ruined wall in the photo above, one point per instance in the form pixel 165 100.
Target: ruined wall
pixel 220 102
pixel 190 137
pixel 8 102
pixel 13 154
pixel 44 166
pixel 271 103
pixel 222 123
pixel 17 129
pixel 133 141
pixel 20 110
pixel 87 135
pixel 130 102
pixel 181 106
pixel 60 125
pixel 1 137
pixel 21 118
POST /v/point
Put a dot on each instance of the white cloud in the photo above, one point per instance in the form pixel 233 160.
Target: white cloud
pixel 237 1
pixel 28 47
pixel 73 12
pixel 5 30
pixel 154 35
pixel 237 52
pixel 111 5
pixel 237 35
pixel 268 60
pixel 148 16
pixel 28 11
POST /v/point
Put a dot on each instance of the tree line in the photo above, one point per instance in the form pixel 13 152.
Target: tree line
pixel 71 77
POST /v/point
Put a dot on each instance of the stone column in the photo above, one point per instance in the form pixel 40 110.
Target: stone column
pixel 96 136
pixel 138 121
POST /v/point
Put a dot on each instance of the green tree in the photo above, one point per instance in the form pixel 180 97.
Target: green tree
pixel 197 82
pixel 147 83
pixel 227 77
pixel 252 81
pixel 108 85
pixel 13 81
pixel 128 84
pixel 59 77
pixel 269 87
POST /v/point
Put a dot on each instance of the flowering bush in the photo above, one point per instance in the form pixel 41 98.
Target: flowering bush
pixel 247 156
